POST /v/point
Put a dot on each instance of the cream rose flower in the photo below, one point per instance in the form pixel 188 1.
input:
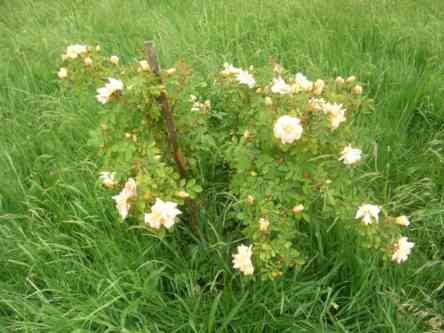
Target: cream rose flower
pixel 242 260
pixel 303 82
pixel 278 68
pixel 74 51
pixel 122 205
pixel 122 199
pixel 230 70
pixel 340 80
pixel 250 199
pixel 298 208
pixel 171 71
pixel 244 77
pixel 182 194
pixel 279 86
pixel 403 248
pixel 130 188
pixel 350 79
pixel 335 113
pixel 316 104
pixel 402 220
pixel 288 129
pixel 198 105
pixel 162 214
pixel 350 155
pixel 112 87
pixel 368 213
pixel 263 224
pixel 108 178
pixel 114 60
pixel 318 87
pixel 88 61
pixel 144 65
pixel 62 73
pixel 357 90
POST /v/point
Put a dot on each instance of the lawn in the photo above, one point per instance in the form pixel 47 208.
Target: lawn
pixel 68 265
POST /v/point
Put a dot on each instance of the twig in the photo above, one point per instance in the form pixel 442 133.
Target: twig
pixel 167 114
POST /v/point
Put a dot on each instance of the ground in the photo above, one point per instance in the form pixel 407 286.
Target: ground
pixel 67 265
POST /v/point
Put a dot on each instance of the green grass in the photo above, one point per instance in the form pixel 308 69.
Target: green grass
pixel 66 265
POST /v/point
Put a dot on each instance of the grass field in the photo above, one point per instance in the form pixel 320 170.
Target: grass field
pixel 66 265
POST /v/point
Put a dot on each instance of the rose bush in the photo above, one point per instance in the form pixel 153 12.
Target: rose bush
pixel 289 143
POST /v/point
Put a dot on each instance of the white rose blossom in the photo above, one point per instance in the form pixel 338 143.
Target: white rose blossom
pixel 74 51
pixel 263 224
pixel 350 79
pixel 318 87
pixel 104 93
pixel 144 65
pixel 122 199
pixel 317 104
pixel 303 82
pixel 336 114
pixel 279 86
pixel 162 214
pixel 350 155
pixel 171 71
pixel 403 248
pixel 288 129
pixel 198 105
pixel 88 61
pixel 250 199
pixel 230 70
pixel 402 220
pixel 298 208
pixel 357 90
pixel 182 194
pixel 241 76
pixel 340 80
pixel 242 260
pixel 108 178
pixel 368 213
pixel 244 77
pixel 278 68
pixel 114 60
pixel 62 73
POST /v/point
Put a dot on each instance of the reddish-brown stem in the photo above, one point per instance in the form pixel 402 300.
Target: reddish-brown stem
pixel 167 114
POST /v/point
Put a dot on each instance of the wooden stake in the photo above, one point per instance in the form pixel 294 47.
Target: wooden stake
pixel 167 114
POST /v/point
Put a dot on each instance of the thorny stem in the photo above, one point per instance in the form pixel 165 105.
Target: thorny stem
pixel 167 114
